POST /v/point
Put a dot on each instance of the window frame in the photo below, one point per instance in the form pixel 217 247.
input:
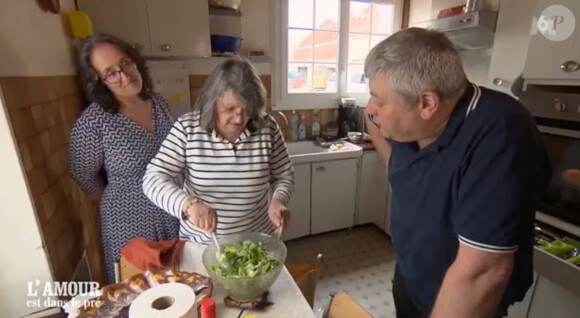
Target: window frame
pixel 279 68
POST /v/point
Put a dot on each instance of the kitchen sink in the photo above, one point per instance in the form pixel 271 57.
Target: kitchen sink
pixel 308 151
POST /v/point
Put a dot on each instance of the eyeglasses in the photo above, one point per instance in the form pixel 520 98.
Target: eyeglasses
pixel 128 67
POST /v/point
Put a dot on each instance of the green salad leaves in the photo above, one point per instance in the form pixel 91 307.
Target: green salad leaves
pixel 243 260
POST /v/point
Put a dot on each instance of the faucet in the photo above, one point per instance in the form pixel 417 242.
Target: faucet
pixel 285 129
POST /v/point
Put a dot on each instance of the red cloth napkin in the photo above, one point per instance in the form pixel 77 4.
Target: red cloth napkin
pixel 152 255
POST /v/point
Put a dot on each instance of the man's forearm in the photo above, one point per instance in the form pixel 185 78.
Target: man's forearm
pixel 381 144
pixel 466 294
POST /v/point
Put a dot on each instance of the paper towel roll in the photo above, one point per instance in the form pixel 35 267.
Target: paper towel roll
pixel 171 300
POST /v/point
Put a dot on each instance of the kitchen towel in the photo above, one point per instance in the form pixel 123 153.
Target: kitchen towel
pixel 171 300
pixel 151 255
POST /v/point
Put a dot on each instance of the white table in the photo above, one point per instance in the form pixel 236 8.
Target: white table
pixel 287 298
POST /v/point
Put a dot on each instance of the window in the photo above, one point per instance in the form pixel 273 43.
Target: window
pixel 323 47
pixel 312 45
pixel 369 24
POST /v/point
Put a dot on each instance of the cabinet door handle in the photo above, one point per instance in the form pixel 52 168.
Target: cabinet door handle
pixel 165 47
pixel 320 168
pixel 570 66
pixel 497 81
pixel 137 46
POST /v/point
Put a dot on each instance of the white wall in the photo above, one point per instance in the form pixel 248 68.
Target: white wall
pixel 419 11
pixel 34 42
pixel 22 256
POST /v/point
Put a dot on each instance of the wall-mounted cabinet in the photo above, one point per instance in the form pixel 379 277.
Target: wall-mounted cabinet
pixel 555 60
pixel 156 28
pixel 512 36
pixel 125 19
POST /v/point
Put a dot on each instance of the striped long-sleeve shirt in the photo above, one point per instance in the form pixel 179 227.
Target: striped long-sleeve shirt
pixel 236 179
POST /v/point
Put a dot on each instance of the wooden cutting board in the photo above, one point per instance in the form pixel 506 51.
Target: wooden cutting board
pixel 342 306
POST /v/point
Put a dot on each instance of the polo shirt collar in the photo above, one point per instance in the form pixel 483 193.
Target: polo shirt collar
pixel 463 108
pixel 243 136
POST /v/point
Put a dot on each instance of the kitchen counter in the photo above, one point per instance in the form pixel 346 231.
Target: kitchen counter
pixel 287 298
pixel 308 151
pixel 367 145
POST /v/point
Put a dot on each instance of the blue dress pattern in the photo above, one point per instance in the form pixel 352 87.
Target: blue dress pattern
pixel 112 142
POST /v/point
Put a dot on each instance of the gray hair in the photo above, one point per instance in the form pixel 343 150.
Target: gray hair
pixel 241 77
pixel 418 60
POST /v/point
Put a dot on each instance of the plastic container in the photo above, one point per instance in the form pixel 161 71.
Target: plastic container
pixel 315 130
pixel 247 288
pixel 207 308
pixel 80 23
pixel 293 127
pixel 302 128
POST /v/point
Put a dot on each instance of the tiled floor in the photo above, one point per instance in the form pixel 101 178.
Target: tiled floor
pixel 359 262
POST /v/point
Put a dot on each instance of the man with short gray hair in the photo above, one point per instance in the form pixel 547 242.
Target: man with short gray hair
pixel 467 168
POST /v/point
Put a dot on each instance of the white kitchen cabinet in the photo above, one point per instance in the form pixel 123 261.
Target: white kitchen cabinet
pixel 300 204
pixel 334 189
pixel 520 309
pixel 179 27
pixel 157 28
pixel 372 200
pixel 126 19
pixel 546 57
pixel 552 300
pixel 512 36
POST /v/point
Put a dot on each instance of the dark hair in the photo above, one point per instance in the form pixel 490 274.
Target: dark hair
pixel 93 85
pixel 241 77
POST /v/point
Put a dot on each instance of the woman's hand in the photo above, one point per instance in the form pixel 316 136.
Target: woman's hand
pixel 202 216
pixel 279 215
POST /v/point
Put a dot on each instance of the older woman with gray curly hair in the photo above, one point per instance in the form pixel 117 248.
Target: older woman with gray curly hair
pixel 118 134
pixel 238 175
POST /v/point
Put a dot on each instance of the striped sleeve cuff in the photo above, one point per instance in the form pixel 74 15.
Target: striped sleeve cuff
pixel 283 195
pixel 178 203
pixel 487 247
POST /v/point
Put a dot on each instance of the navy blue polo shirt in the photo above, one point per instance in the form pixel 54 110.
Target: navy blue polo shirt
pixel 479 184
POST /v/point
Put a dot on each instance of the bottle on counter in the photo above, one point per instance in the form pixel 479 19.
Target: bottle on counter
pixel 293 127
pixel 207 308
pixel 302 128
pixel 315 130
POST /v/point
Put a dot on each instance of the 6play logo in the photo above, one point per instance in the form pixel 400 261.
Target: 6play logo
pixel 556 23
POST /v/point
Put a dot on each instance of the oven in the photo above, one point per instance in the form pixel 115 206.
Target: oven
pixel 558 117
pixel 557 114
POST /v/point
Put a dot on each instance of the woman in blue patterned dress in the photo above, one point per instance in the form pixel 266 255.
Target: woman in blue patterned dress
pixel 119 133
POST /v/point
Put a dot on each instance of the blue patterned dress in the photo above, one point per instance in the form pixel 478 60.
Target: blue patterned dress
pixel 114 143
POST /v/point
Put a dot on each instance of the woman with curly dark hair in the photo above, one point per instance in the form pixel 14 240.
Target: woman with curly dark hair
pixel 119 132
